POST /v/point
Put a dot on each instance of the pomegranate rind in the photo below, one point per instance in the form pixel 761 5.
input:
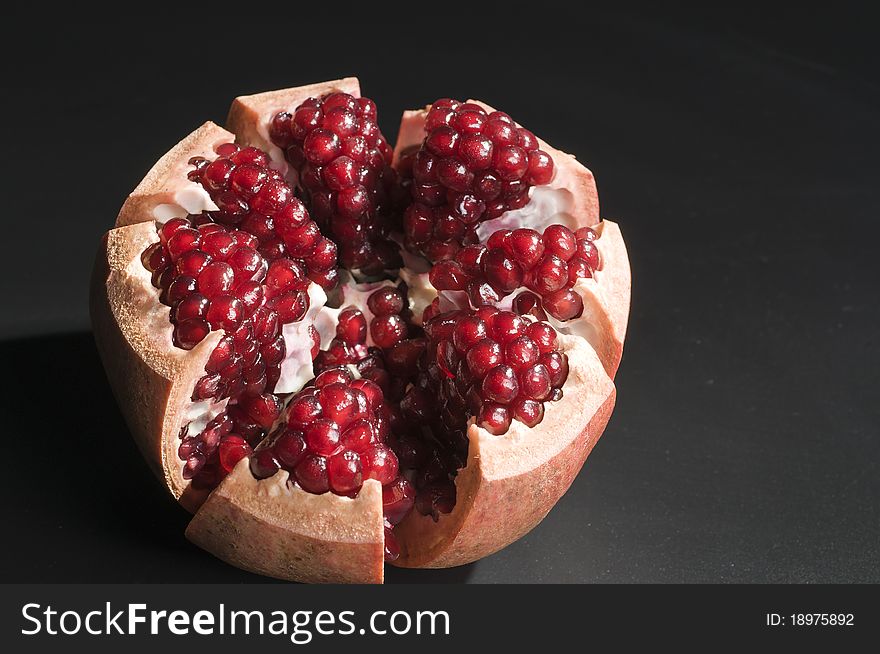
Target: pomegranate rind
pixel 272 528
pixel 268 527
pixel 168 174
pixel 250 115
pixel 151 378
pixel 512 481
pixel 607 297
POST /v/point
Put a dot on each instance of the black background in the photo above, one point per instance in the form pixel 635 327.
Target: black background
pixel 736 148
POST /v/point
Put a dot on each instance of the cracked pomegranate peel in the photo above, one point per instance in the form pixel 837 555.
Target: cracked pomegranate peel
pixel 338 354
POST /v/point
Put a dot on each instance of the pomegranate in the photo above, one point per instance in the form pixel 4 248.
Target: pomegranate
pixel 338 354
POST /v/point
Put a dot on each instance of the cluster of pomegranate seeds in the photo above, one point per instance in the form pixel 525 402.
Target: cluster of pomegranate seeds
pixel 333 438
pixel 256 199
pixel 494 365
pixel 472 166
pixel 547 264
pixel 245 270
pixel 431 444
pixel 343 166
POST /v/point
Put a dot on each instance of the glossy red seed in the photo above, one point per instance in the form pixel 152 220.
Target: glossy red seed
pixel 500 384
pixel 535 382
pixel 311 474
pixel 501 271
pixel 494 418
pixel 549 275
pixel 388 330
pixel 560 240
pixel 385 301
pixel 339 375
pixel 521 352
pixel 263 464
pixel 225 312
pixel 529 412
pixel 527 246
pixel 397 500
pixel 216 278
pixel 291 306
pixel 289 449
pixel 484 355
pixel 557 365
pixel 564 304
pixel 352 326
pixel 380 463
pixel 233 448
pixel 448 276
pixel 183 240
pixel 303 411
pixel 322 437
pixel 543 335
pixel 345 473
pixel 190 333
pixel 359 435
pixel 262 409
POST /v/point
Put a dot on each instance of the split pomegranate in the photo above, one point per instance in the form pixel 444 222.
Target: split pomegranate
pixel 336 353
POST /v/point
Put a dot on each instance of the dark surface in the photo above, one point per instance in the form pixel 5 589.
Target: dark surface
pixel 739 154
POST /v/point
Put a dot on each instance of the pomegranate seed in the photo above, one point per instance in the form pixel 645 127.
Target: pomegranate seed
pixel 380 463
pixel 550 275
pixel 397 500
pixel 388 330
pixel 311 474
pixel 180 288
pixel 500 384
pixel 344 473
pixel 225 312
pixel 190 333
pixel 322 436
pixel 564 304
pixel 484 355
pixel 521 352
pixel 528 412
pixel 338 375
pixel 263 464
pixel 183 240
pixel 289 449
pixel 527 247
pixel 262 409
pixel 304 410
pixel 352 326
pixel 192 306
pixel 501 271
pixel 154 257
pixel 494 418
pixel 543 335
pixel 359 435
pixel 560 241
pixel 385 301
pixel 535 382
pixel 448 276
pixel 216 279
pixel 233 448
